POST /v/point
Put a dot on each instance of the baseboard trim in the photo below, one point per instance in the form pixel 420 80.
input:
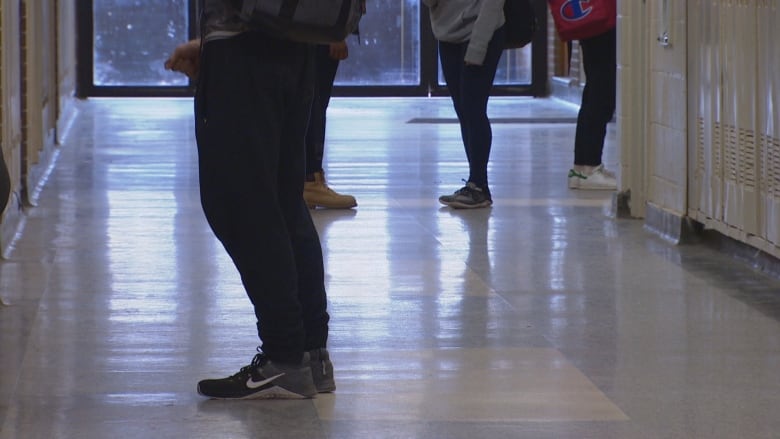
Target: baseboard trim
pixel 621 204
pixel 11 224
pixel 746 253
pixel 671 226
pixel 683 230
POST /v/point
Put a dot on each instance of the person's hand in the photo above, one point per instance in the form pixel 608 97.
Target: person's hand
pixel 185 59
pixel 339 51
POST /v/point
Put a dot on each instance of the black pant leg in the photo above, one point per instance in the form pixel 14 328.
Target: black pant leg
pixel 598 98
pixel 325 69
pixel 307 250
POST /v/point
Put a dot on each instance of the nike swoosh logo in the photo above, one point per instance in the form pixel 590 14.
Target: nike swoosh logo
pixel 256 384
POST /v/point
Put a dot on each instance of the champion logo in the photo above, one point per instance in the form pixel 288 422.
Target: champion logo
pixel 252 384
pixel 574 10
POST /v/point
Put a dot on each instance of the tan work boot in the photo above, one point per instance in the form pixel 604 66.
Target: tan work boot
pixel 317 194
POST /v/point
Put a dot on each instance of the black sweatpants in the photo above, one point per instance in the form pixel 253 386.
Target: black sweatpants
pixel 251 109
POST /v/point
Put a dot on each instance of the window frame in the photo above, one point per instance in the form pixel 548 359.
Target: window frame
pixel 429 75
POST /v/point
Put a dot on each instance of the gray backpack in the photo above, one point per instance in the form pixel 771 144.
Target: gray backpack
pixel 308 21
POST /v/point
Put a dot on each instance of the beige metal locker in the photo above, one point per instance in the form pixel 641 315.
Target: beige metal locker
pixel 734 118
pixel 768 72
pixel 704 67
pixel 740 191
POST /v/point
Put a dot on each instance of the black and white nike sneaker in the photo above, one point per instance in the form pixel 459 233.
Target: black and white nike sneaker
pixel 263 379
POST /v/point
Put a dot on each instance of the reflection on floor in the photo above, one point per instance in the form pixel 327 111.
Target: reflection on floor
pixel 543 317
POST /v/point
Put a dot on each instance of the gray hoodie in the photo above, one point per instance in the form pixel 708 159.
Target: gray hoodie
pixel 458 21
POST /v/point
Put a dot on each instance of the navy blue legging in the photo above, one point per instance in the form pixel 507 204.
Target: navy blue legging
pixel 469 86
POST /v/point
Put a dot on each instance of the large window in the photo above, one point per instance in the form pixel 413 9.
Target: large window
pixel 395 46
pixel 132 39
pixel 515 67
pixel 124 43
pixel 388 50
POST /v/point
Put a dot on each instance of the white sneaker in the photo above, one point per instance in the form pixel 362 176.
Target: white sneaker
pixel 598 179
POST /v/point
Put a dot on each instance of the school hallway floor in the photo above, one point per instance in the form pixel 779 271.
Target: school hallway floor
pixel 541 317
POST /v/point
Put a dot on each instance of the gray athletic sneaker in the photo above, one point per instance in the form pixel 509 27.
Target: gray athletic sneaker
pixel 470 196
pixel 322 370
pixel 263 379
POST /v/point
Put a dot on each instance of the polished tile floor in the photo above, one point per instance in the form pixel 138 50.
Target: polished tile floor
pixel 542 317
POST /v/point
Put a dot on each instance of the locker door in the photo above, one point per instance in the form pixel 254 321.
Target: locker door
pixel 704 58
pixel 769 118
pixel 740 196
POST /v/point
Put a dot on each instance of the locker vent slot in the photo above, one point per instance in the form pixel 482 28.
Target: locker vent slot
pixel 747 158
